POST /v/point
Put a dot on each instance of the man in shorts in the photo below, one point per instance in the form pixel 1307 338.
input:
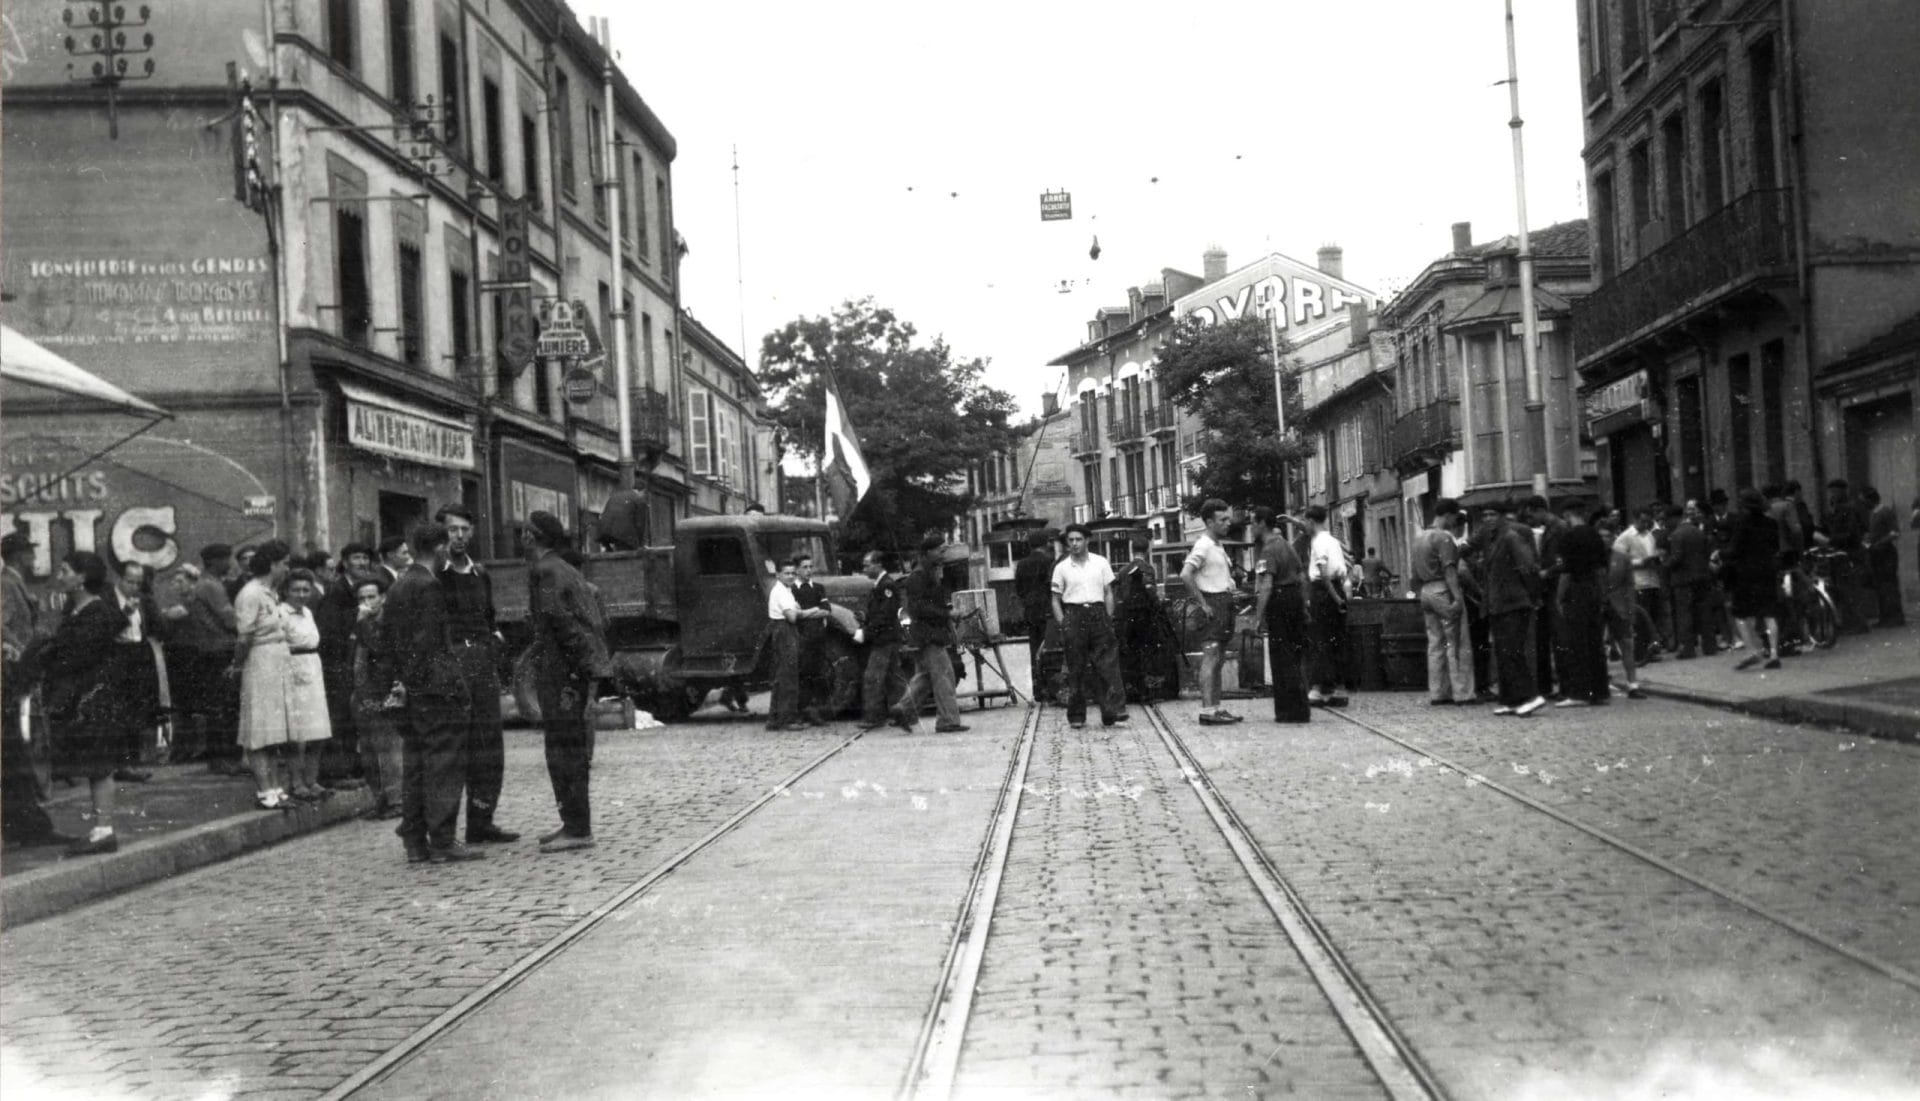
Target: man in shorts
pixel 1208 575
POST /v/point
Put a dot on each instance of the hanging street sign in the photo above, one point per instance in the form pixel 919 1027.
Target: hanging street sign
pixel 516 272
pixel 582 386
pixel 1056 206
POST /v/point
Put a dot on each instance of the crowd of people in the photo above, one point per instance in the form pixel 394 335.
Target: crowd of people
pixel 304 672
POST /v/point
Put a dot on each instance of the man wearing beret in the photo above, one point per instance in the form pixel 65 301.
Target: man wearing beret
pixel 569 655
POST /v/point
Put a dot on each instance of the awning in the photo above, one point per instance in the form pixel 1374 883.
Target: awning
pixel 25 361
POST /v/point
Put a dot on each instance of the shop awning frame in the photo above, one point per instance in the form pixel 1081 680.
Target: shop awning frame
pixel 26 361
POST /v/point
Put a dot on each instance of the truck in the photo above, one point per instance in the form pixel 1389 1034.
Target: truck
pixel 690 618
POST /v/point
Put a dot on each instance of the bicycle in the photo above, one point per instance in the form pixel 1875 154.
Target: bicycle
pixel 1819 615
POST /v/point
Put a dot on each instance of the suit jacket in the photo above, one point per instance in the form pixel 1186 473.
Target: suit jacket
pixel 1690 555
pixel 209 626
pixel 1513 580
pixel 566 639
pixel 413 635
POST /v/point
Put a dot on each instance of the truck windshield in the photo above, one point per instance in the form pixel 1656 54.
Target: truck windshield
pixel 780 546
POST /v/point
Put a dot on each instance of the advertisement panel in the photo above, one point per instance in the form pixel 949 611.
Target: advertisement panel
pixel 1300 298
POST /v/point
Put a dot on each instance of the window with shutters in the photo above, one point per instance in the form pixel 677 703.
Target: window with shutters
pixel 596 170
pixel 700 430
pixel 724 456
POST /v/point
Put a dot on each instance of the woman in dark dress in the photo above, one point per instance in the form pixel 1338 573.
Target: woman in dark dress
pixel 1751 573
pixel 95 722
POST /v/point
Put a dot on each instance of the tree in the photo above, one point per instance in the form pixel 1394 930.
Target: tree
pixel 923 416
pixel 1224 373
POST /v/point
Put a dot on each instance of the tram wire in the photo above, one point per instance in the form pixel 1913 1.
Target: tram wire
pixel 398 1055
pixel 1866 959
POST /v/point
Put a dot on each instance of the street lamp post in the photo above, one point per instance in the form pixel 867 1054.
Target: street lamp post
pixel 1529 322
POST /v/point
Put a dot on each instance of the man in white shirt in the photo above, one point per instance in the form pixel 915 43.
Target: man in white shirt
pixel 1642 548
pixel 1083 606
pixel 783 616
pixel 1327 603
pixel 1208 575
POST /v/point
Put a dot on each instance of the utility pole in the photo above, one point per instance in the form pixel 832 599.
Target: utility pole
pixel 1279 390
pixel 610 164
pixel 1529 322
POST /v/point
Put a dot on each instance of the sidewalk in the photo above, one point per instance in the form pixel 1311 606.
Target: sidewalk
pixel 1869 683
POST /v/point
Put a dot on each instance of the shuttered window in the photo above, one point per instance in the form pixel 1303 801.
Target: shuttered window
pixel 700 430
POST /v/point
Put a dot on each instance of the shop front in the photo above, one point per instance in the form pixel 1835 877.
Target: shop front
pixel 532 479
pixel 396 463
pixel 1624 420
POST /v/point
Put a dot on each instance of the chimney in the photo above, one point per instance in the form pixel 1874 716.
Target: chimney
pixel 1213 263
pixel 1328 260
pixel 1359 323
pixel 1134 312
pixel 1462 237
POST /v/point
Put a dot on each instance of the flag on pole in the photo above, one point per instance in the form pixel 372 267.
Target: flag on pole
pixel 842 468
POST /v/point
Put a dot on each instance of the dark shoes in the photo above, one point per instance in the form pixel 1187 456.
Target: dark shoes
pixel 950 728
pixel 1120 720
pixel 567 843
pixel 1772 663
pixel 901 720
pixel 490 835
pixel 417 851
pixel 455 853
pixel 88 846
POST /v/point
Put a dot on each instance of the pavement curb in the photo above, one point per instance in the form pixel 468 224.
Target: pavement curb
pixel 1871 719
pixel 56 888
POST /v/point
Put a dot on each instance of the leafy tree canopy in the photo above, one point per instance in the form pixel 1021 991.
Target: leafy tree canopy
pixel 923 416
pixel 1224 374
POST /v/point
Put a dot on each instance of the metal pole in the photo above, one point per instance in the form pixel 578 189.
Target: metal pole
pixel 1797 213
pixel 610 165
pixel 1279 393
pixel 1529 323
pixel 275 200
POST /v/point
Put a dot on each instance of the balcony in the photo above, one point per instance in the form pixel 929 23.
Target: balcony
pixel 1126 429
pixel 1124 504
pixel 1163 499
pixel 1085 443
pixel 1747 241
pixel 652 418
pixel 1161 420
pixel 1427 433
pixel 1083 514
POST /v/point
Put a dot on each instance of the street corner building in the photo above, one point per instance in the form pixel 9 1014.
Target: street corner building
pixel 329 261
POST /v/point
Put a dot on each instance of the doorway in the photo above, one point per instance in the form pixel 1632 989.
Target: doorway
pixel 399 512
pixel 1883 451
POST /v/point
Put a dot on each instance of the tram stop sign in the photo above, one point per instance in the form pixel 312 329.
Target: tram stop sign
pixel 582 386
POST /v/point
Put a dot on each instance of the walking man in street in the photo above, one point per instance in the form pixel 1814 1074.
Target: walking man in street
pixel 1208 575
pixel 1083 606
pixel 783 647
pixel 473 635
pixel 415 633
pixel 929 633
pixel 569 657
pixel 881 634
pixel 1280 607
pixel 1327 581
pixel 1436 577
pixel 1513 579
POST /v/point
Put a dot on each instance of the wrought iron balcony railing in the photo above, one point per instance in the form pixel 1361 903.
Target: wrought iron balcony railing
pixel 1428 432
pixel 652 419
pixel 1162 419
pixel 1744 242
pixel 1086 443
pixel 1126 429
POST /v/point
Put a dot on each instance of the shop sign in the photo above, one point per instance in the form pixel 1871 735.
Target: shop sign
pixel 261 506
pixel 416 438
pixel 516 275
pixel 560 335
pixel 1619 403
pixel 1056 206
pixel 1292 294
pixel 582 386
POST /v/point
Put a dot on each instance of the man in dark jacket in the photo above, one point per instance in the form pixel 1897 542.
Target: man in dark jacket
pixel 569 656
pixel 1546 530
pixel 929 633
pixel 205 638
pixel 473 637
pixel 1033 585
pixel 881 634
pixel 1512 590
pixel 415 638
pixel 1690 585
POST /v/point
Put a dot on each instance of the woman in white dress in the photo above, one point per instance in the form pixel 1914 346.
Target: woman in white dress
pixel 260 661
pixel 307 718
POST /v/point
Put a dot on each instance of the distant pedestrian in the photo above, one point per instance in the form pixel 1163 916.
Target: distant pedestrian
pixel 1327 590
pixel 1033 586
pixel 1208 577
pixel 1280 607
pixel 1581 597
pixel 1512 587
pixel 95 724
pixel 881 634
pixel 309 721
pixel 1621 608
pixel 1083 604
pixel 1546 530
pixel 783 650
pixel 569 654
pixel 262 664
pixel 1752 570
pixel 929 606
pixel 1690 585
pixel 1649 588
pixel 417 644
pixel 1883 558
pixel 375 701
pixel 1435 566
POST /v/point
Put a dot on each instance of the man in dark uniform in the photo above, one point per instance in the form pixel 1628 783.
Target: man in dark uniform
pixel 1280 606
pixel 569 655
pixel 416 648
pixel 881 633
pixel 472 636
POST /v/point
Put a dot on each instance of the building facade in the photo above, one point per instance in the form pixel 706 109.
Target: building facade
pixel 1755 241
pixel 1346 397
pixel 437 179
pixel 1461 427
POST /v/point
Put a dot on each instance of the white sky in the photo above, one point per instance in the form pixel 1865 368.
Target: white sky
pixel 1272 125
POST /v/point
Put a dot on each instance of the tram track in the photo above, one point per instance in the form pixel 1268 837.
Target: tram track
pixel 397 1056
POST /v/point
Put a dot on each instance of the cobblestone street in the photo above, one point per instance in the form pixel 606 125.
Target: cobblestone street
pixel 1128 953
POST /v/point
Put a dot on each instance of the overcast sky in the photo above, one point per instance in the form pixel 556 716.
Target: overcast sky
pixel 901 155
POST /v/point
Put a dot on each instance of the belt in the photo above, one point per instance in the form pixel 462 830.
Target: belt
pixel 297 653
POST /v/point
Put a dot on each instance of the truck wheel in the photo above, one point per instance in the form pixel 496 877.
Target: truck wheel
pixel 674 704
pixel 521 685
pixel 842 668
